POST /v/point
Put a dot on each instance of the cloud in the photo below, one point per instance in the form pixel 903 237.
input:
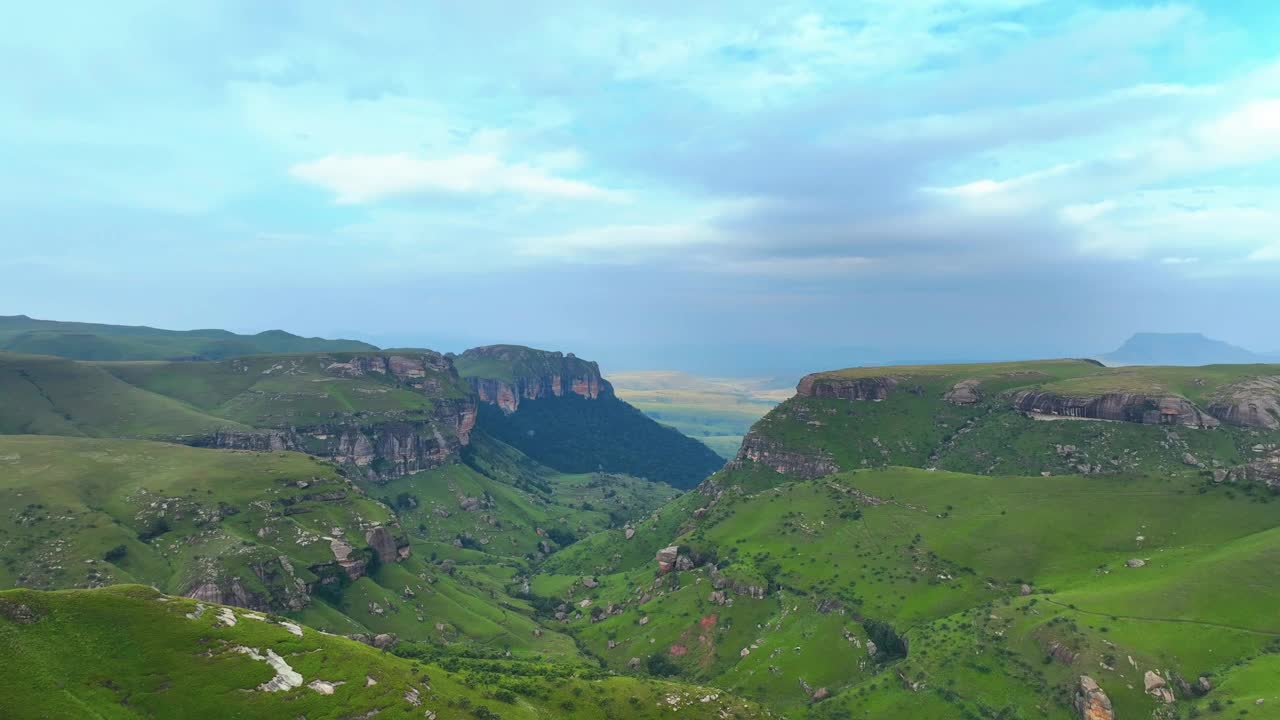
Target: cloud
pixel 359 179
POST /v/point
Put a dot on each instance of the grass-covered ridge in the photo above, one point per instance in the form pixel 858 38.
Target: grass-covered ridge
pixel 130 652
pixel 95 341
pixel 942 558
pixel 978 418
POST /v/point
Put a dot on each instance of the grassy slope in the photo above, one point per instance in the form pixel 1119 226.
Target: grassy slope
pixel 945 554
pixel 129 652
pixel 93 341
pixel 44 395
pixel 64 502
pixel 282 390
pixel 67 501
pixel 716 411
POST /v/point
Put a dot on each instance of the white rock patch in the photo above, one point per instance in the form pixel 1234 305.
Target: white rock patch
pixel 323 687
pixel 295 629
pixel 226 617
pixel 286 677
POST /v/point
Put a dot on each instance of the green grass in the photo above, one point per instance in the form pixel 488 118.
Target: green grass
pixel 936 554
pixel 129 652
pixel 50 396
pixel 287 390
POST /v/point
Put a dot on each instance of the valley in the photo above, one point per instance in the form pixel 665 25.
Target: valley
pixel 500 533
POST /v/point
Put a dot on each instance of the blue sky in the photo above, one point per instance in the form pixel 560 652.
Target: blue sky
pixel 656 183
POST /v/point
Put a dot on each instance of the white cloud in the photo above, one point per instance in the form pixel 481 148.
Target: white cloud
pixel 357 179
pixel 619 243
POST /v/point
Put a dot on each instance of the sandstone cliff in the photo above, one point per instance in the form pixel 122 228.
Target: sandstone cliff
pixel 758 448
pixel 1124 407
pixel 1252 403
pixel 376 444
pixel 503 375
pixel 826 386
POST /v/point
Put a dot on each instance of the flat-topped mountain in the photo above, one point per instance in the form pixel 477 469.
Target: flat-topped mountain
pixel 95 341
pixel 504 375
pixel 996 418
pixel 557 409
pixel 1179 349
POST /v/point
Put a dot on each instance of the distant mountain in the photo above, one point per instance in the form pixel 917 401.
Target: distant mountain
pixel 93 341
pixel 1179 349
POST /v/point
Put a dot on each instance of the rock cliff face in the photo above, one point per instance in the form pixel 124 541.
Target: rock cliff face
pixel 1124 407
pixel 770 453
pixel 503 375
pixel 377 446
pixel 1252 403
pixel 824 386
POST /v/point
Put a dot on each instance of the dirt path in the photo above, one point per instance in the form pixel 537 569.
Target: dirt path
pixel 1224 626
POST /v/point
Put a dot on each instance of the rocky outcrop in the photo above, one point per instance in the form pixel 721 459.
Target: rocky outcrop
pixel 376 450
pixel 256 440
pixel 277 587
pixel 1122 407
pixel 1091 702
pixel 1265 470
pixel 1252 403
pixel 378 445
pixel 745 588
pixel 965 392
pixel 819 385
pixel 757 448
pixel 666 559
pixel 231 592
pixel 1156 687
pixel 388 548
pixel 504 375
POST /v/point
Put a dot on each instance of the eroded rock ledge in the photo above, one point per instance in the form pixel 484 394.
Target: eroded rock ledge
pixel 504 375
pixel 1122 407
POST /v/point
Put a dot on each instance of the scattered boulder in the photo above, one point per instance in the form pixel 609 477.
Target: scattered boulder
pixel 965 392
pixel 1135 563
pixel 821 694
pixel 1156 687
pixel 384 641
pixel 629 532
pixel 1024 590
pixel 1092 702
pixel 383 543
pixel 1192 460
pixel 666 558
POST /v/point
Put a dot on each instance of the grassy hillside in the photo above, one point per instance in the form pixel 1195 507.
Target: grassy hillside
pixel 941 559
pixel 289 390
pixel 51 396
pixel 715 411
pixel 261 526
pixel 130 652
pixel 93 341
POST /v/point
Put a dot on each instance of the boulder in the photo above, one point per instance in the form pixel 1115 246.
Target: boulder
pixel 383 543
pixel 1156 687
pixel 666 558
pixel 1091 702
pixel 1135 562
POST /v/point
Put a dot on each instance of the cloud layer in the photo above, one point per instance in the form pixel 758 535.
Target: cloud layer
pixel 893 168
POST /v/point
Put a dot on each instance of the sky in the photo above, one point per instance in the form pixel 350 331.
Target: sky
pixel 698 185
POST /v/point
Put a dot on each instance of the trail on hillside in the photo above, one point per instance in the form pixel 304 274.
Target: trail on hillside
pixel 1224 626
